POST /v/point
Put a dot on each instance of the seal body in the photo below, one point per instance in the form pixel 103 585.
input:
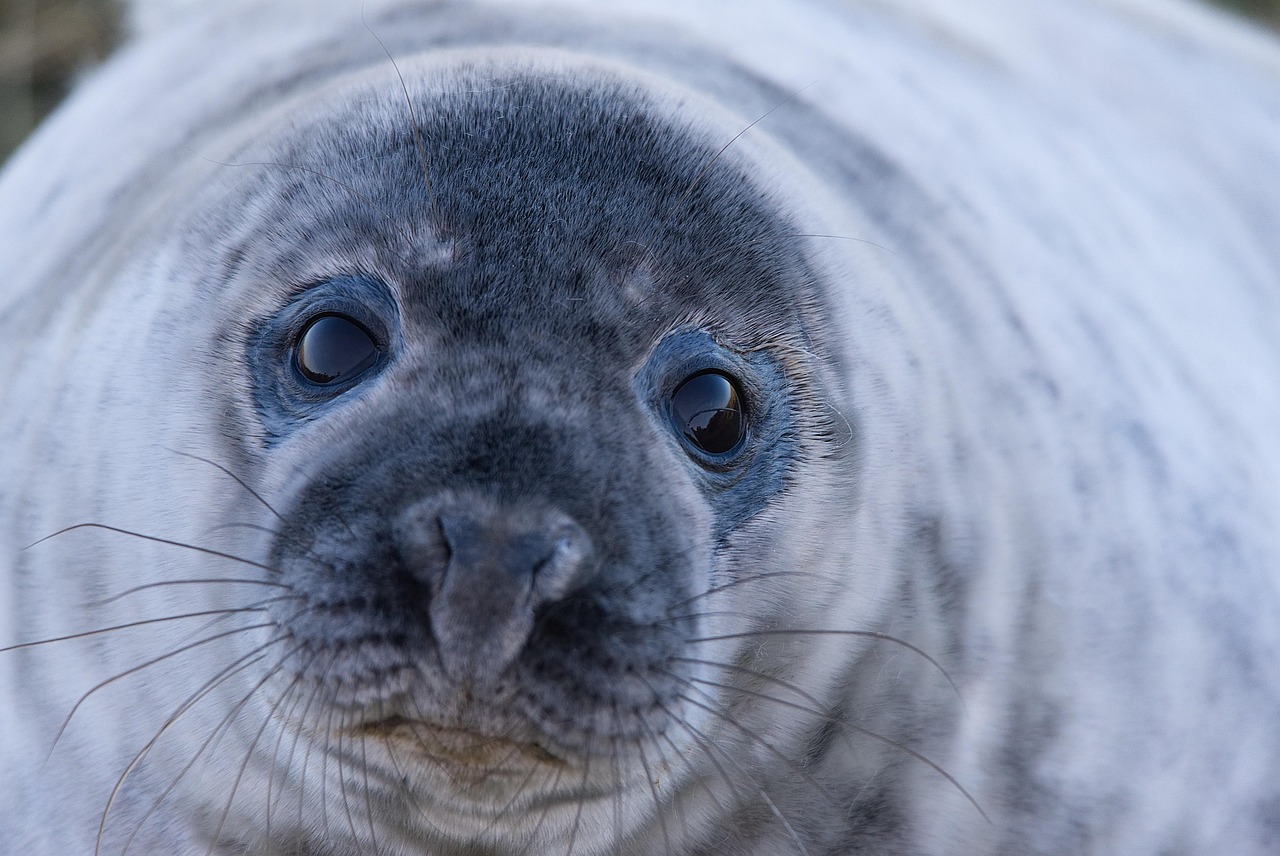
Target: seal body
pixel 474 429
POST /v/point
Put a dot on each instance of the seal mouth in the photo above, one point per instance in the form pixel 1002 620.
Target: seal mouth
pixel 460 748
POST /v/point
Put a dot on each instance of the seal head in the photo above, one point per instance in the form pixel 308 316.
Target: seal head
pixel 533 369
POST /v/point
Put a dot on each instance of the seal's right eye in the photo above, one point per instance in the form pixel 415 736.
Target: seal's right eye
pixel 334 349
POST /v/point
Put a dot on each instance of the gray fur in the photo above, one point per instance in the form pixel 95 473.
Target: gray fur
pixel 993 571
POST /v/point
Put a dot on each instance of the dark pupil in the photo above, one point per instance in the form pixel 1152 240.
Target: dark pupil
pixel 707 409
pixel 334 348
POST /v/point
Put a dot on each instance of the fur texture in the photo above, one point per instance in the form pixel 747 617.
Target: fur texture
pixel 980 557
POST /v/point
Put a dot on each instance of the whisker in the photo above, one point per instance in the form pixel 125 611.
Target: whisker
pixel 241 663
pixel 653 789
pixel 586 778
pixel 339 757
pixel 866 241
pixel 136 669
pixel 617 775
pixel 131 624
pixel 414 124
pixel 678 751
pixel 233 476
pixel 716 157
pixel 306 755
pixel 253 745
pixel 189 582
pixel 155 805
pixel 422 812
pixel 368 797
pixel 157 540
pixel 285 717
pixel 710 749
pixel 434 753
pixel 751 735
pixel 546 810
pixel 845 724
pixel 690 616
pixel 654 736
pixel 330 750
pixel 658 567
pixel 364 768
pixel 741 581
pixel 866 634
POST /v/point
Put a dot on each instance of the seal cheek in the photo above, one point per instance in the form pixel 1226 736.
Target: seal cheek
pixel 487 570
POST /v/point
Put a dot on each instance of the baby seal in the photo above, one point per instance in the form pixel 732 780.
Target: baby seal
pixel 437 428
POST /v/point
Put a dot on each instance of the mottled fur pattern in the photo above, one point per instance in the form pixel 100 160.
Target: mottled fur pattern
pixel 993 568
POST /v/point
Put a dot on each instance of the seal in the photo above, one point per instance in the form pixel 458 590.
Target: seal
pixel 466 429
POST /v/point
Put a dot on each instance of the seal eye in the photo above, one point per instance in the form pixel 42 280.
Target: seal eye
pixel 707 410
pixel 333 349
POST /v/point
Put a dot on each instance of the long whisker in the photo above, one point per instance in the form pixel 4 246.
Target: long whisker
pixel 814 711
pixel 368 798
pixel 285 716
pixel 716 157
pixel 710 749
pixel 364 767
pixel 159 800
pixel 866 634
pixel 546 811
pixel 238 665
pixel 339 759
pixel 586 778
pixel 191 582
pixel 752 736
pixel 852 238
pixel 415 125
pixel 233 476
pixel 686 617
pixel 130 624
pixel 616 764
pixel 711 794
pixel 155 539
pixel 653 789
pixel 741 581
pixel 422 812
pixel 306 755
pixel 248 756
pixel 136 669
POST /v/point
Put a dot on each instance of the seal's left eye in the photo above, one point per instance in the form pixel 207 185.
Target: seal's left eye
pixel 333 349
pixel 707 410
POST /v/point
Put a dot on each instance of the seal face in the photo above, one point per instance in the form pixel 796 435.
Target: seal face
pixel 510 477
pixel 514 474
pixel 574 437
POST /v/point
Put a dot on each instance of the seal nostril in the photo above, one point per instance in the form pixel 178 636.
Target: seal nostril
pixel 459 531
pixel 420 539
pixel 475 542
pixel 514 541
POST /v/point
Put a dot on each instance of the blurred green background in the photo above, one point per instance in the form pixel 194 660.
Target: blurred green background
pixel 45 44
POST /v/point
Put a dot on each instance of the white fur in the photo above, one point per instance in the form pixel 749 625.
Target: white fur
pixel 1115 169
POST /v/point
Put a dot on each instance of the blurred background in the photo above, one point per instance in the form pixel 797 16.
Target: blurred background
pixel 46 44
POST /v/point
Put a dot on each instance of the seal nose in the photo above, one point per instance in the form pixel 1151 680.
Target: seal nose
pixel 487 569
